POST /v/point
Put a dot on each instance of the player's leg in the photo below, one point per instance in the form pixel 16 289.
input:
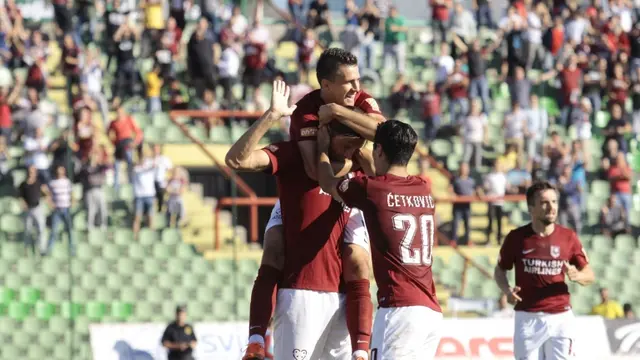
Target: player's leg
pixel 559 348
pixel 263 294
pixel 302 323
pixel 530 334
pixel 356 270
pixel 410 332
pixel 338 344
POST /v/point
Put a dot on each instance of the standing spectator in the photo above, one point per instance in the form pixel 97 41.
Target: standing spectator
pixel 463 185
pixel 635 103
pixel 296 9
pixel 536 129
pixel 475 132
pixel 93 177
pixel 144 190
pixel 483 14
pixel 520 88
pixel 570 77
pixel 61 201
pixel 200 63
pixel 371 14
pixel 125 39
pixel 63 16
pixel 518 179
pixel 305 55
pixel 495 184
pixel 629 314
pixel 162 165
pixel 431 112
pixel 84 134
pixel 477 62
pixel 37 76
pixel 402 94
pixel 125 136
pixel 154 88
pixel 608 309
pixel 569 211
pixel 535 21
pixel 444 64
pixel 318 14
pixel 613 219
pixel 463 26
pixel 209 10
pixel 456 86
pixel 617 127
pixel 85 23
pixel 153 26
pixel 618 86
pixel 63 149
pixel 31 191
pixel 36 147
pixel 255 59
pixel 595 80
pixel 556 152
pixel 175 205
pixel 619 175
pixel 179 338
pixel 351 13
pixel 92 83
pixel 395 40
pixel 228 70
pixel 515 123
pixel 581 120
pixel 7 100
pixel 239 22
pixel 71 65
pixel 5 174
pixel 116 15
pixel 173 36
pixel 367 40
pixel 440 19
pixel 165 57
pixel 177 10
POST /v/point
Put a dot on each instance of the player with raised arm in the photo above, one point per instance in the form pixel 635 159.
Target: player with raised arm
pixel 399 213
pixel 310 317
pixel 543 253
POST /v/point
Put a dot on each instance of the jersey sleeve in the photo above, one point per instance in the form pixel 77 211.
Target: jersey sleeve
pixel 304 126
pixel 507 256
pixel 168 335
pixel 281 156
pixel 368 104
pixel 579 257
pixel 353 191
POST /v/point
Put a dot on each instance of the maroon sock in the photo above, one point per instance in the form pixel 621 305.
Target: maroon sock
pixel 263 299
pixel 359 314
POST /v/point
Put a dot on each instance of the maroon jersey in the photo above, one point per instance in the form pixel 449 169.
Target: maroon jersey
pixel 539 262
pixel 399 213
pixel 313 224
pixel 304 120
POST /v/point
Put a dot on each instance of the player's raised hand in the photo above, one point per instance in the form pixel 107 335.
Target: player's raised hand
pixel 280 99
pixel 323 138
pixel 572 272
pixel 513 297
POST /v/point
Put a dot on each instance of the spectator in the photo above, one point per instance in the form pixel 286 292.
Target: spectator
pixel 475 130
pixel 7 100
pixel 504 309
pixel 618 86
pixel 351 13
pixel 165 57
pixel 402 94
pixel 518 179
pixel 510 158
pixel 444 65
pixel 178 95
pixel 154 24
pixel 613 219
pixel 126 136
pixel 239 21
pixel 477 62
pixel 93 177
pixel 296 9
pixel 463 185
pixel 63 149
pixel 463 25
pixel 594 81
pixel 306 48
pixel 569 211
pixel 71 65
pixel 125 38
pixel 520 88
pixel 581 120
pixel 36 147
pixel 424 167
pixel 85 23
pixel 353 39
pixel 373 17
pixel 629 314
pixel 177 10
pixel 495 185
pixel 255 59
pixel 229 69
pixel 154 87
pixel 144 190
pixel 556 152
pixel 173 35
pixel 440 19
pixel 635 103
pixel 515 124
pixel 37 76
pixel 580 162
pixel 617 127
pixel 608 309
pixel 116 15
pixel 5 175
pixel 175 205
pixel 535 21
pixel 457 86
pixel 31 191
pixel 431 112
pixel 537 125
pixel 483 14
pixel 63 16
pixel 318 14
pixel 92 83
pixel 619 176
pixel 61 201
pixel 395 40
pixel 570 77
pixel 162 165
pixel 179 338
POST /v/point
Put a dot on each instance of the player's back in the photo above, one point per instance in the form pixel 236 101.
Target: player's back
pixel 400 219
pixel 313 224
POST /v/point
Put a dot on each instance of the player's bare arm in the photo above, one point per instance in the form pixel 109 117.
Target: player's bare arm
pixel 363 124
pixel 584 276
pixel 364 158
pixel 500 276
pixel 243 155
pixel 326 177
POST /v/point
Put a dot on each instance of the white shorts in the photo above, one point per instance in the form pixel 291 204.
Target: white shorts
pixel 310 325
pixel 541 336
pixel 410 332
pixel 354 233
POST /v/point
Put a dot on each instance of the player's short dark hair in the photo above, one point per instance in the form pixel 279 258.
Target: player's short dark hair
pixel 330 60
pixel 398 141
pixel 537 188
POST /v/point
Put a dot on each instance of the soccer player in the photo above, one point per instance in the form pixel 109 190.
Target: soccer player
pixel 543 253
pixel 339 99
pixel 310 316
pixel 399 213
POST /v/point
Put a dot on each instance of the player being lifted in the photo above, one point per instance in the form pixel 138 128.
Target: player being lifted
pixel 399 213
pixel 310 315
pixel 543 253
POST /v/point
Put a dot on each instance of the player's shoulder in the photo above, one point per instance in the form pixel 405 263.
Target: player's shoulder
pixel 520 233
pixel 363 97
pixel 309 103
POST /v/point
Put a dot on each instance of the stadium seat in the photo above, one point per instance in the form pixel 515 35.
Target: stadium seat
pixel 121 310
pixel 7 295
pixel 70 310
pixel 44 310
pixel 18 310
pixel 625 242
pixel 601 243
pixel 95 310
pixel 29 295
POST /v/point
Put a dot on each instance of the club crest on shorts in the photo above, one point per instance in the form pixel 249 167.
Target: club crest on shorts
pixel 344 185
pixel 299 354
pixel 555 251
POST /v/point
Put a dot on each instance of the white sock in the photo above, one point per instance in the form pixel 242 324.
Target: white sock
pixel 360 353
pixel 256 339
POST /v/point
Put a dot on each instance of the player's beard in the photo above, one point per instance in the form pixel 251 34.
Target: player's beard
pixel 549 219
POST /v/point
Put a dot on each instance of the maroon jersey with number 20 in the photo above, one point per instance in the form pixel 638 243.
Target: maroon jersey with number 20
pixel 399 212
pixel 540 270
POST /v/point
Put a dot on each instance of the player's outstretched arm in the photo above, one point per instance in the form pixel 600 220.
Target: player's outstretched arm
pixel 500 276
pixel 243 156
pixel 326 176
pixel 363 124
